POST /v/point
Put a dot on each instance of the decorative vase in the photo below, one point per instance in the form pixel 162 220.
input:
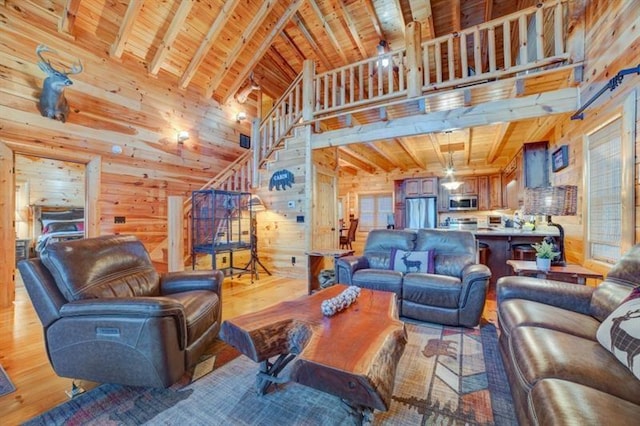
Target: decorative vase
pixel 543 264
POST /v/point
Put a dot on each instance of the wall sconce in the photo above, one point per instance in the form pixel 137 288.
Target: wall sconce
pixel 382 49
pixel 241 116
pixel 183 135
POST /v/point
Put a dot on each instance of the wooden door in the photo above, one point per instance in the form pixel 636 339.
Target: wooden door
pixel 7 230
pixel 325 231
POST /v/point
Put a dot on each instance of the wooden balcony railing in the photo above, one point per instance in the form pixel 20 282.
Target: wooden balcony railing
pixel 521 43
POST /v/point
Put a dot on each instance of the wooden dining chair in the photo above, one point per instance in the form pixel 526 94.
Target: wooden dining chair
pixel 345 240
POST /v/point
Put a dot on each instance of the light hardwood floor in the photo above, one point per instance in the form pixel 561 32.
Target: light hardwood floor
pixel 38 389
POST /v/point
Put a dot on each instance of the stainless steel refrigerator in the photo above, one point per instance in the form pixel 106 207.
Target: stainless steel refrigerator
pixel 421 213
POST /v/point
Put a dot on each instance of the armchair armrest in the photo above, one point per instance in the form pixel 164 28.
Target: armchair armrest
pixel 179 282
pixel 138 307
pixel 474 275
pixel 346 266
pixel 568 296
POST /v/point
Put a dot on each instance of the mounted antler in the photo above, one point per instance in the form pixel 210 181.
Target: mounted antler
pixel 244 93
pixel 52 103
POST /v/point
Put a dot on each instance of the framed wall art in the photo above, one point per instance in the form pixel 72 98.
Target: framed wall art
pixel 560 158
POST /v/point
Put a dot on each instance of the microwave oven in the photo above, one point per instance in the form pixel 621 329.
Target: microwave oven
pixel 463 202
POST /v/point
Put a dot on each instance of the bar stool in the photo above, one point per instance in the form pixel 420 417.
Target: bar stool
pixel 483 253
pixel 523 252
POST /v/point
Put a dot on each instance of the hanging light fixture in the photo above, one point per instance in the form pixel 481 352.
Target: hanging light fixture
pixel 450 183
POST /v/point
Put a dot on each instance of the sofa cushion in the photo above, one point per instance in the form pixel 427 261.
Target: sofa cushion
pixel 517 312
pixel 453 249
pixel 411 261
pixel 107 266
pixel 379 243
pixel 620 334
pixel 538 353
pixel 432 290
pixel 379 279
pixel 559 402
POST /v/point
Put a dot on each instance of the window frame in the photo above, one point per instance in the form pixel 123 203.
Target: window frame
pixel 626 113
pixel 363 226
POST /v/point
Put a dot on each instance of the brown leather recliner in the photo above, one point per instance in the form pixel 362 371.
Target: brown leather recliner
pixel 109 317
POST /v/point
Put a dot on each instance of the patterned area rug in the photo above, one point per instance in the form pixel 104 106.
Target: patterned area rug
pixel 5 383
pixel 446 376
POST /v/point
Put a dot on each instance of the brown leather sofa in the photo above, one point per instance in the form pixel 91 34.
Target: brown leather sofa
pixel 455 291
pixel 558 371
pixel 109 317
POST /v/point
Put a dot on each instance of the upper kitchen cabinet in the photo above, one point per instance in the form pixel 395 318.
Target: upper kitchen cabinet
pixel 421 187
pixel 528 169
pixel 469 186
pixel 495 192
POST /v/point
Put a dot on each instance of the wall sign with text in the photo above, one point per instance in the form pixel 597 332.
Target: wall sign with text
pixel 560 158
pixel 281 179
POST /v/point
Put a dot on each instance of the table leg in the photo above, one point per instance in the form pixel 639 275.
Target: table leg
pixel 268 373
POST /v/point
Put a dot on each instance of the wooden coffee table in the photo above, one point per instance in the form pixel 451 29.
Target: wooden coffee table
pixel 353 354
pixel 575 272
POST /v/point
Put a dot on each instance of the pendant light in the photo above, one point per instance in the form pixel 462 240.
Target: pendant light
pixel 450 183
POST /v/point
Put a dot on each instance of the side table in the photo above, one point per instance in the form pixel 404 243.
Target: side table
pixel 315 263
pixel 575 272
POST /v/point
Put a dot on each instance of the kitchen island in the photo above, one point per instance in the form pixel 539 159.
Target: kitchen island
pixel 500 241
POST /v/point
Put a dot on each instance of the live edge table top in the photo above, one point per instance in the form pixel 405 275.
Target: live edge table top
pixel 352 354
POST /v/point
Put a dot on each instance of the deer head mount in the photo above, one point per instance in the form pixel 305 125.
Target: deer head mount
pixel 52 101
pixel 244 93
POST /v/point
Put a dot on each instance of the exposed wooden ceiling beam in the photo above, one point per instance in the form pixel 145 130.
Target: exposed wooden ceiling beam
pixel 299 21
pixel 294 47
pixel 248 33
pixel 410 152
pixel 437 149
pixel 328 31
pixel 346 156
pixel 208 41
pixel 371 11
pixel 353 29
pixel 169 37
pixel 372 156
pixel 282 63
pixel 382 149
pixel 134 8
pixel 467 145
pixel 536 105
pixel 68 17
pixel 268 41
pixel 431 27
pixel 404 14
pixel 499 140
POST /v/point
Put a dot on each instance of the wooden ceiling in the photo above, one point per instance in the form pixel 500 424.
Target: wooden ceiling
pixel 215 46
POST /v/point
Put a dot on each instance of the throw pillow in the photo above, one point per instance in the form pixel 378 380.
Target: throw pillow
pixel 411 261
pixel 619 333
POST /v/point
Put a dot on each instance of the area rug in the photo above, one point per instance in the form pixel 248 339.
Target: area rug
pixel 5 383
pixel 446 376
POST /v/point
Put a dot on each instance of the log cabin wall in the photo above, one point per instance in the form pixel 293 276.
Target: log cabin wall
pixel 115 105
pixel 612 43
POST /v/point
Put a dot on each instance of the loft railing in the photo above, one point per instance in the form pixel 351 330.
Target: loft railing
pixel 521 43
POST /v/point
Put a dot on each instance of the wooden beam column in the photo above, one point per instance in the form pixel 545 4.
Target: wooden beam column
pixel 7 227
pixel 308 94
pixel 414 59
pixel 175 232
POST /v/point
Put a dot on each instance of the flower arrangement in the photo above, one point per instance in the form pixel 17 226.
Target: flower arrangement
pixel 545 250
pixel 342 301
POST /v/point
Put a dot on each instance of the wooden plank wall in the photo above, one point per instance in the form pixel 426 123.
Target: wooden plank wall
pixel 607 52
pixel 114 103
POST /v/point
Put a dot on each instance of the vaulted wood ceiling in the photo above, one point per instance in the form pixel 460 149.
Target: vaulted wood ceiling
pixel 217 45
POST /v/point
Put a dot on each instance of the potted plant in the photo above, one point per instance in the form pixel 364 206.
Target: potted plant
pixel 545 253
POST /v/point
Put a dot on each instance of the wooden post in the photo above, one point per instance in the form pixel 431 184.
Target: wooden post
pixel 175 231
pixel 256 146
pixel 308 101
pixel 7 227
pixel 414 59
pixel 93 172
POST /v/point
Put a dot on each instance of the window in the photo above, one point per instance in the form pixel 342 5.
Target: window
pixel 609 189
pixel 374 210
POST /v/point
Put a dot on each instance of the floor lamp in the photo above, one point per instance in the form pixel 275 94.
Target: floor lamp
pixel 552 201
pixel 255 205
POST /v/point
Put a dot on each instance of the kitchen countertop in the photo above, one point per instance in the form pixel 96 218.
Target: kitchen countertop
pixel 541 231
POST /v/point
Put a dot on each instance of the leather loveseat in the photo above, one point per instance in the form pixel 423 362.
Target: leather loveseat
pixel 451 291
pixel 109 317
pixel 559 372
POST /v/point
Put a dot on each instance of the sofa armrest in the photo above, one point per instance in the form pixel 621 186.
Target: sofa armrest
pixel 130 307
pixel 572 297
pixel 346 266
pixel 180 282
pixel 472 275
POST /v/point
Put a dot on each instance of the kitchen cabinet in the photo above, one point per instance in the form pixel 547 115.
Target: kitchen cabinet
pixel 443 199
pixel 483 193
pixel 528 169
pixel 421 187
pixel 495 191
pixel 399 208
pixel 469 186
